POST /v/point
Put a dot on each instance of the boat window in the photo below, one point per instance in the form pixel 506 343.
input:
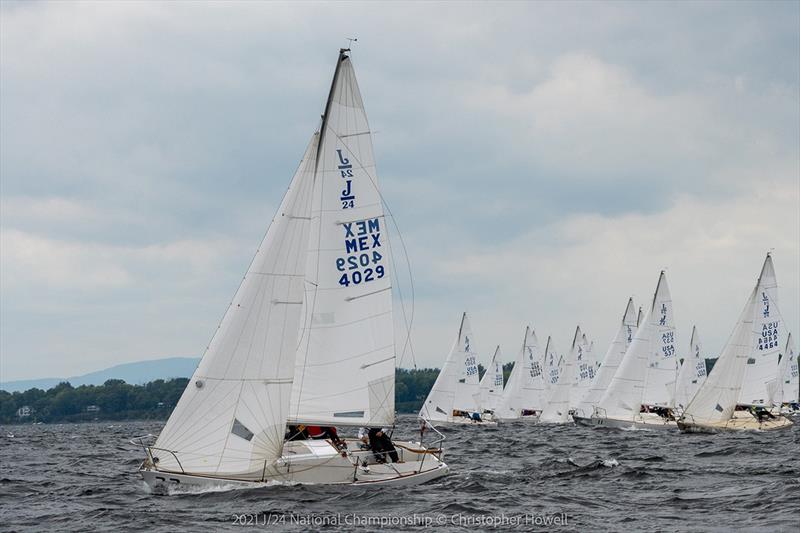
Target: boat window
pixel 240 430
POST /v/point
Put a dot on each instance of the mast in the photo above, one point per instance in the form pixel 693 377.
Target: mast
pixel 324 125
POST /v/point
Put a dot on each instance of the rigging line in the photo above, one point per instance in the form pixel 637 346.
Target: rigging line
pixel 407 321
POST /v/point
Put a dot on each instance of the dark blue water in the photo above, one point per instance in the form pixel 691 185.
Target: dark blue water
pixel 82 477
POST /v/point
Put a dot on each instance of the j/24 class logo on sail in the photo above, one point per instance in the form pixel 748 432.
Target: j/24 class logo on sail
pixel 363 260
pixel 347 197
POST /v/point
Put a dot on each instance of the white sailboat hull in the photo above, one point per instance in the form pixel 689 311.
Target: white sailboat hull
pixel 741 421
pixel 643 421
pixel 316 462
pixel 527 419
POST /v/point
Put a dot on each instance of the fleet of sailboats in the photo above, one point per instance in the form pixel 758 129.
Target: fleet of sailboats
pixel 291 351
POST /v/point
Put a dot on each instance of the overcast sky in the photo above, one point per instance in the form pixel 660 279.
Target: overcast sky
pixel 544 161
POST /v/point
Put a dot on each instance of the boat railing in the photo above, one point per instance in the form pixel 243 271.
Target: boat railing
pixel 435 444
pixel 146 442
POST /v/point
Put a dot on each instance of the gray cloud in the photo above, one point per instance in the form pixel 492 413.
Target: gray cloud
pixel 146 145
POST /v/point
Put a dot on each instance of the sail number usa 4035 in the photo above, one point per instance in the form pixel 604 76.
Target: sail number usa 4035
pixel 362 261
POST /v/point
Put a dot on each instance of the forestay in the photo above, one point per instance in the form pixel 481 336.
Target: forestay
pixel 232 416
pixel 610 362
pixel 456 386
pixel 344 371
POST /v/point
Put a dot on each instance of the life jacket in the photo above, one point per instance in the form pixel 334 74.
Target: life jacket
pixel 315 432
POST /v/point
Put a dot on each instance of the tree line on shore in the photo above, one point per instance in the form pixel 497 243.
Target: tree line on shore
pixel 117 400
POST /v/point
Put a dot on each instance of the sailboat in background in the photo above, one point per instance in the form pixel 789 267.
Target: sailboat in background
pixel 557 408
pixel 455 393
pixel 639 395
pixel 692 374
pixel 789 395
pixel 523 396
pixel 717 405
pixel 586 369
pixel 609 365
pixel 291 347
pixel 491 386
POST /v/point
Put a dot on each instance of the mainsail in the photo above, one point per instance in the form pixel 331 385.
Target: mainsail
pixel 525 388
pixel 345 363
pixel 610 362
pixel 761 370
pixel 457 384
pixel 586 369
pixel 231 417
pixel 632 386
pixel 692 373
pixel 558 404
pixel 491 385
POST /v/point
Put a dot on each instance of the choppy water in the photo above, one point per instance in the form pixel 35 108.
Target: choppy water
pixel 82 477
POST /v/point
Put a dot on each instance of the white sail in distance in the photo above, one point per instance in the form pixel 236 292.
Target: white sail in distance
pixel 585 371
pixel 761 371
pixel 790 382
pixel 345 363
pixel 610 362
pixel 525 388
pixel 552 366
pixel 557 409
pixel 457 384
pixel 231 417
pixel 491 385
pixel 692 373
pixel 627 391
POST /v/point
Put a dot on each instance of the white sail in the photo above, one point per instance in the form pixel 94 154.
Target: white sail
pixel 790 382
pixel 491 385
pixel 716 399
pixel 457 385
pixel 525 388
pixel 557 409
pixel 232 416
pixel 692 373
pixel 552 366
pixel 631 386
pixel 662 366
pixel 610 362
pixel 586 368
pixel 345 364
pixel 761 371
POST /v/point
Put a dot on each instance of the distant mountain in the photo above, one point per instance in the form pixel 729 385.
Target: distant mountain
pixel 134 373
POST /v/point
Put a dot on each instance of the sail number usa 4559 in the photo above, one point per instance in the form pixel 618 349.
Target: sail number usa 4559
pixel 362 261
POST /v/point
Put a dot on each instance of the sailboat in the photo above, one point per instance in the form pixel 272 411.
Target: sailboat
pixel 491 386
pixel 640 393
pixel 586 369
pixel 692 374
pixel 308 338
pixel 609 364
pixel 453 399
pixel 557 408
pixel 523 396
pixel 717 406
pixel 789 395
